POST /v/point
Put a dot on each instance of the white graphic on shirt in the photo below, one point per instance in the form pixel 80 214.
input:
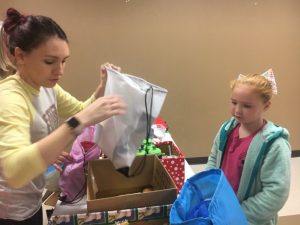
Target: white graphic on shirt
pixel 51 119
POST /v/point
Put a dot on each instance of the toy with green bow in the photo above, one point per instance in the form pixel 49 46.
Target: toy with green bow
pixel 149 148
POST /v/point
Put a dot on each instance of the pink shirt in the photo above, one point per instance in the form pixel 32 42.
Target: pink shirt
pixel 234 156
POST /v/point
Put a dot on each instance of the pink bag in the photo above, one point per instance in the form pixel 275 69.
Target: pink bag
pixel 72 181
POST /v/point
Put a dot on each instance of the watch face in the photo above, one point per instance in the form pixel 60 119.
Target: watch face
pixel 73 122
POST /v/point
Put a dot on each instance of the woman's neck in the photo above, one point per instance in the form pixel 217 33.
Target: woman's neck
pixel 28 81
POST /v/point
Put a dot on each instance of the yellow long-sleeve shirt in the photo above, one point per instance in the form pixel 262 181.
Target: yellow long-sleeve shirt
pixel 26 116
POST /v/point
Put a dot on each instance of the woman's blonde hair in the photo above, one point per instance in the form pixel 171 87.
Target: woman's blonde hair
pixel 6 67
pixel 261 84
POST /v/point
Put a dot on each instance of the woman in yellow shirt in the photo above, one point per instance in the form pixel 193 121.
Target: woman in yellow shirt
pixel 31 103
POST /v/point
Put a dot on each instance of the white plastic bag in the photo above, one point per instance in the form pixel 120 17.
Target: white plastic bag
pixel 119 137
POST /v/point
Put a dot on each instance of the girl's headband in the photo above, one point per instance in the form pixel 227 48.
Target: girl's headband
pixel 269 75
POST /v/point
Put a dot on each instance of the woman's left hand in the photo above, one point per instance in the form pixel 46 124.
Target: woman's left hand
pixel 103 78
pixel 103 71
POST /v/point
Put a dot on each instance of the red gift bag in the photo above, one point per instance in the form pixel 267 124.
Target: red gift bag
pixel 173 161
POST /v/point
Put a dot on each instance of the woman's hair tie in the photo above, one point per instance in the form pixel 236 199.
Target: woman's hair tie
pixel 13 19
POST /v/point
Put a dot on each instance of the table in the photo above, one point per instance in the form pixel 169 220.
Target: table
pixel 81 207
pixel 71 214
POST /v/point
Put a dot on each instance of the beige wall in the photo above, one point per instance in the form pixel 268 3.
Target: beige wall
pixel 192 47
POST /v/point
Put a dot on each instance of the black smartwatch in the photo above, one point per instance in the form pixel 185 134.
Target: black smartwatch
pixel 74 125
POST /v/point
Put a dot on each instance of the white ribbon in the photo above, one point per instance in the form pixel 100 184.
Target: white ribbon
pixel 269 75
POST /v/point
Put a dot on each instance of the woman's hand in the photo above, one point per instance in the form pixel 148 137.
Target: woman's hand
pixel 103 78
pixel 63 157
pixel 102 109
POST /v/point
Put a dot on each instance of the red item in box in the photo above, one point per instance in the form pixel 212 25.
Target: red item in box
pixel 161 122
pixel 174 164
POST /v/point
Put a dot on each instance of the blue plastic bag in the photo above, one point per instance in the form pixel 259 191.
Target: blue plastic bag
pixel 207 198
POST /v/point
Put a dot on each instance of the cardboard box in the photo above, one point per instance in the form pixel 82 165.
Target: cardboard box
pixel 173 161
pixel 52 199
pixel 108 189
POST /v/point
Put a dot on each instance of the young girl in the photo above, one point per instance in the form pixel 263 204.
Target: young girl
pixel 253 152
pixel 31 104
